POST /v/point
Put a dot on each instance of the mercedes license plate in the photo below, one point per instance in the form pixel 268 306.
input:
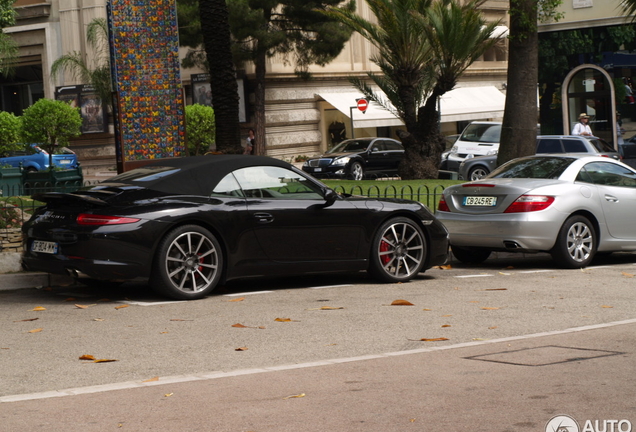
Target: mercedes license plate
pixel 484 201
pixel 44 247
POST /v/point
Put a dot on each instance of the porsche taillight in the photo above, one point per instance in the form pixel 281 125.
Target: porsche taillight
pixel 92 219
pixel 530 203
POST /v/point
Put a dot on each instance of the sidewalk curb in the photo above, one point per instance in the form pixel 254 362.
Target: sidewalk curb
pixel 13 281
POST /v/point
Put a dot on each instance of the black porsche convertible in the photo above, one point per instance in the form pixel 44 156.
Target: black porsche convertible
pixel 189 224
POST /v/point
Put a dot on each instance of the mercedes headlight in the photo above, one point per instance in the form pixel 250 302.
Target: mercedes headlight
pixel 341 161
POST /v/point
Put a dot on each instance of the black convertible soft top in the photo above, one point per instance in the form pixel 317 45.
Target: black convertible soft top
pixel 194 175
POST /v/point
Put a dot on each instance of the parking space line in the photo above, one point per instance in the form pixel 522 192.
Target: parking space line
pixel 472 276
pixel 247 293
pixel 221 374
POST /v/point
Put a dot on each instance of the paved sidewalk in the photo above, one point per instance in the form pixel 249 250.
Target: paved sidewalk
pixel 513 384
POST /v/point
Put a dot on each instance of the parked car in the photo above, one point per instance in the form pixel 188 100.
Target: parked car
pixel 357 158
pixel 479 167
pixel 477 139
pixel 189 224
pixel 571 206
pixel 37 159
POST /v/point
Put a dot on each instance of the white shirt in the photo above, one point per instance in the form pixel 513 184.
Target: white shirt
pixel 580 129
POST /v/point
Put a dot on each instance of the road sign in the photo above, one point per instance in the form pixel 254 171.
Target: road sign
pixel 363 105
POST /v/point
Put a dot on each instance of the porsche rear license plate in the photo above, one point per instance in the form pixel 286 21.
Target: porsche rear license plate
pixel 484 201
pixel 44 247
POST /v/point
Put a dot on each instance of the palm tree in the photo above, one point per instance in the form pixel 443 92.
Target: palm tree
pixel 96 74
pixel 216 35
pixel 424 46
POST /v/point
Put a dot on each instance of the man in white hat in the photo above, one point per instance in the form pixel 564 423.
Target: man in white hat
pixel 582 128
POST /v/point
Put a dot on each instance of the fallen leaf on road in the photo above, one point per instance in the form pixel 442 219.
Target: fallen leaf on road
pixel 37 330
pixel 99 319
pixel 402 303
pixel 285 320
pixel 446 325
pixel 38 308
pixel 87 357
pixel 430 339
pixel 447 315
pixel 168 394
pixel 492 328
pixel 239 325
pixel 489 308
pixel 237 299
pixel 121 306
pixel 84 306
pixel 295 396
pixel 607 307
pixel 628 275
pixel 241 349
pixel 104 360
pixel 327 308
pixel 505 274
pixel 445 267
pixel 28 319
pixel 496 289
pixel 152 379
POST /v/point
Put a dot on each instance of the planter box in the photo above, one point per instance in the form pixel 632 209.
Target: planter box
pixel 10 182
pixel 53 181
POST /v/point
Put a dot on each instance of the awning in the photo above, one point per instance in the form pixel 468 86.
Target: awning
pixel 461 104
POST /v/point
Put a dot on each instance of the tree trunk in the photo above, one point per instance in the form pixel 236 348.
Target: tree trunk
pixel 519 130
pixel 259 103
pixel 423 149
pixel 215 29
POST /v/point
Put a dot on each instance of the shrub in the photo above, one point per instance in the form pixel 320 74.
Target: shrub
pixel 9 132
pixel 200 128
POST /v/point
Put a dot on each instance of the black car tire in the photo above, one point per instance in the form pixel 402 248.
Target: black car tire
pixel 477 173
pixel 576 243
pixel 188 263
pixel 471 255
pixel 356 171
pixel 398 251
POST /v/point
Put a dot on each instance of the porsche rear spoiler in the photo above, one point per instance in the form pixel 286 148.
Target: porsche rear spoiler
pixel 57 197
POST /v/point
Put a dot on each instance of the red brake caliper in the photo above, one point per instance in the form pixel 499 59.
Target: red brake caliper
pixel 385 247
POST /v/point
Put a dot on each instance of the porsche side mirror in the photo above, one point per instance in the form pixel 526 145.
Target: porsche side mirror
pixel 330 197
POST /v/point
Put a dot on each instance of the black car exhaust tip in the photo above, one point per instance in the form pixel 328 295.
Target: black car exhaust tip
pixel 511 245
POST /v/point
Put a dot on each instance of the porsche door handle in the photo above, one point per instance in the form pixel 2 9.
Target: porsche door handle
pixel 611 198
pixel 263 218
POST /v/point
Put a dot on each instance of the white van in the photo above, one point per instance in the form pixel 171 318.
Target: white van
pixel 477 139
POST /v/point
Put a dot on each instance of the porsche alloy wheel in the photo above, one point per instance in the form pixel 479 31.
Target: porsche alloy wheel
pixel 188 263
pixel 399 251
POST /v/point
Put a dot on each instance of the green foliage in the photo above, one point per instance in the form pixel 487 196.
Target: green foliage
pixel 200 128
pixel 9 217
pixel 50 123
pixel 9 132
pixel 8 47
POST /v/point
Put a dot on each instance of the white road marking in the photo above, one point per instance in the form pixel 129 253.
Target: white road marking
pixel 472 276
pixel 247 293
pixel 221 374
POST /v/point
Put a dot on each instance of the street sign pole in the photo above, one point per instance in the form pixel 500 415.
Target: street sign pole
pixel 353 131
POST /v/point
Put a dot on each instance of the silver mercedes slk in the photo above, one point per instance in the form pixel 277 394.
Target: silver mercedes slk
pixel 571 206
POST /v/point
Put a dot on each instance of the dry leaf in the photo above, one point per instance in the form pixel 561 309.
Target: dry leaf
pixel 629 275
pixel 295 396
pixel 489 308
pixel 446 316
pixel 84 306
pixel 241 349
pixel 237 299
pixel 104 360
pixel 238 325
pixel 427 310
pixel 37 330
pixel 327 308
pixel 87 357
pixel 505 274
pixel 38 308
pixel 445 267
pixel 283 320
pixel 607 307
pixel 446 325
pixel 99 319
pixel 496 289
pixel 168 394
pixel 430 339
pixel 121 306
pixel 164 332
pixel 152 379
pixel 492 328
pixel 28 319
pixel 402 303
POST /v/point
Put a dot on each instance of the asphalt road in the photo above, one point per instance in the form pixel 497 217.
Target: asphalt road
pixel 502 347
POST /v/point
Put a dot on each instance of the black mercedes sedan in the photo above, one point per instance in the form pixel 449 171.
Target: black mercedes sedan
pixel 188 224
pixel 358 158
